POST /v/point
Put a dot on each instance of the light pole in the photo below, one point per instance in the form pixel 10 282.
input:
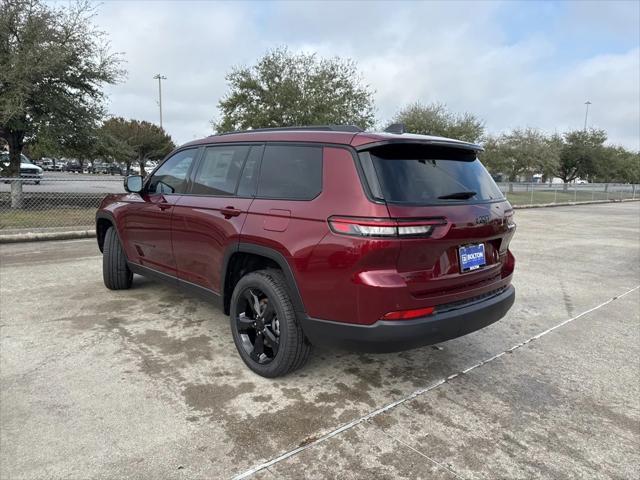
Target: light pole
pixel 586 114
pixel 160 78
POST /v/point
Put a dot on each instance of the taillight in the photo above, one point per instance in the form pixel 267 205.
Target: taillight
pixel 408 314
pixel 384 227
pixel 508 219
pixel 364 227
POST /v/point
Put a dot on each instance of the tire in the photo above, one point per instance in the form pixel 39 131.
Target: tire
pixel 37 182
pixel 115 271
pixel 293 349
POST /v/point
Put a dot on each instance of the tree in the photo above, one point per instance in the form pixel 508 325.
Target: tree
pixel 579 154
pixel 114 140
pixel 617 164
pixel 53 63
pixel 435 119
pixel 522 152
pixel 148 142
pixel 80 142
pixel 38 149
pixel 630 172
pixel 286 89
pixel 556 144
pixel 129 140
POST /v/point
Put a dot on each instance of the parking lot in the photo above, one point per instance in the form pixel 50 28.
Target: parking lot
pixel 146 383
pixel 63 182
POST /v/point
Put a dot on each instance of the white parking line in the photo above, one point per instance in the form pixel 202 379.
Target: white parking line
pixel 419 392
pixel 441 465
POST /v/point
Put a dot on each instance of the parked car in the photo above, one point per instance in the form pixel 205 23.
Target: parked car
pixel 46 164
pixel 324 235
pixel 106 168
pixel 114 169
pixel 95 168
pixel 73 167
pixel 28 170
pixel 59 165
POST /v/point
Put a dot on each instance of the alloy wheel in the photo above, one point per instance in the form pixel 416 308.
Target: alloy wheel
pixel 258 325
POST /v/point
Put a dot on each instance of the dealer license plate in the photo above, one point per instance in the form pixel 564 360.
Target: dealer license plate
pixel 472 257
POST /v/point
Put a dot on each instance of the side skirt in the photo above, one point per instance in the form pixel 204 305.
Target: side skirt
pixel 184 285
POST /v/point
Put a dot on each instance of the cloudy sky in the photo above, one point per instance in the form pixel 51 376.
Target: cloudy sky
pixel 513 64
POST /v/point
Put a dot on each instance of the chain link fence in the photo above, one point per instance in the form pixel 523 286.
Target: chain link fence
pixel 523 194
pixel 65 201
pixel 58 201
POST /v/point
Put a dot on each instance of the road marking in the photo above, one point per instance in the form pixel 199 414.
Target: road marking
pixel 441 465
pixel 419 392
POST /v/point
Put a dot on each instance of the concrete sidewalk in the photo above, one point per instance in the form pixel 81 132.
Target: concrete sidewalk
pixel 146 383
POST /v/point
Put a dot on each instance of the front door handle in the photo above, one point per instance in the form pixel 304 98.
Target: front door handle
pixel 229 212
pixel 164 206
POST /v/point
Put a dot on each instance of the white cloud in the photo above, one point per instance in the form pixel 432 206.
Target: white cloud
pixel 458 53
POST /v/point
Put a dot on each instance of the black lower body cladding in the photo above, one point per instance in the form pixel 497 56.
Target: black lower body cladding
pixel 393 336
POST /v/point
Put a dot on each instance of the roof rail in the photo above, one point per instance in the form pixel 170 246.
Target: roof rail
pixel 324 128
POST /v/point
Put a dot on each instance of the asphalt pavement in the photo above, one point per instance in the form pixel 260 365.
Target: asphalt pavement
pixel 146 383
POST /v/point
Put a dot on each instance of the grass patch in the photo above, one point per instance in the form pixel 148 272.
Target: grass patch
pixel 46 218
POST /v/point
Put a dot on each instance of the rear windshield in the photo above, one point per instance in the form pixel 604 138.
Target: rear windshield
pixel 416 174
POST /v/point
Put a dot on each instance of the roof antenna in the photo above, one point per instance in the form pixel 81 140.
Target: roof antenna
pixel 395 128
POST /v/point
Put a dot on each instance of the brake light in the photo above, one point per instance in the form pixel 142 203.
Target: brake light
pixel 384 227
pixel 408 314
pixel 508 219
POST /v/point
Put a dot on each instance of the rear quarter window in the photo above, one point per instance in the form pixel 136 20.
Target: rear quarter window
pixel 291 172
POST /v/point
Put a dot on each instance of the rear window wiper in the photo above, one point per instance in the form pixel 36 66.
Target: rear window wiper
pixel 458 196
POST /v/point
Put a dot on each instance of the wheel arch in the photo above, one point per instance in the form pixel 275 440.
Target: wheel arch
pixel 247 257
pixel 104 220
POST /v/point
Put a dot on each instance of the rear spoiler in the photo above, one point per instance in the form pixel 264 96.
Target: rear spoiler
pixel 453 144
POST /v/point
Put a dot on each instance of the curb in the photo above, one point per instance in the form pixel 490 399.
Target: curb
pixel 41 236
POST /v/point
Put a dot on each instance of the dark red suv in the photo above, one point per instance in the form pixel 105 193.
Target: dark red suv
pixel 370 241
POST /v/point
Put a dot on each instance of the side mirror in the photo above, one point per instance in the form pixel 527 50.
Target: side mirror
pixel 133 183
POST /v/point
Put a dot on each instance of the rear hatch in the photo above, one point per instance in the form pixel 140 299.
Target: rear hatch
pixel 465 252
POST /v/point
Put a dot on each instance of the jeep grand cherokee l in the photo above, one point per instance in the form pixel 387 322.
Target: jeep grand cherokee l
pixel 370 241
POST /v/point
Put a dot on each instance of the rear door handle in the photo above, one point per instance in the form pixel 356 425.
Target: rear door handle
pixel 229 212
pixel 164 206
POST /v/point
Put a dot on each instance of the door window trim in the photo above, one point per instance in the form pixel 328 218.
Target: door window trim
pixel 188 177
pixel 350 148
pixel 200 159
pixel 262 146
pixel 196 171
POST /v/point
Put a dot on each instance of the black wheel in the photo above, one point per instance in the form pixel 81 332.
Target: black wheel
pixel 115 271
pixel 264 327
pixel 37 182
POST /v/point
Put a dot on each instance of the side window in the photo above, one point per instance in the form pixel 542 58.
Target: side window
pixel 219 170
pixel 249 178
pixel 171 177
pixel 291 172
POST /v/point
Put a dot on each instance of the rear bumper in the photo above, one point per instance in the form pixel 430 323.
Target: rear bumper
pixel 392 336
